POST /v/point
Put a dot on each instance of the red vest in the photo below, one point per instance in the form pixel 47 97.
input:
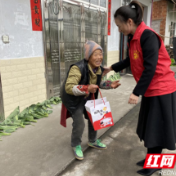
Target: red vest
pixel 163 81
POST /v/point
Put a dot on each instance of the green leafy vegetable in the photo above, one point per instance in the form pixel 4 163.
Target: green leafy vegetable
pixel 19 119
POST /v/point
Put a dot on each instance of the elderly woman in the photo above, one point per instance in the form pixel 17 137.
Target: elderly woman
pixel 82 81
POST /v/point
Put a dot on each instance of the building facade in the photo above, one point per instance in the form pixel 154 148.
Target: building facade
pixel 33 64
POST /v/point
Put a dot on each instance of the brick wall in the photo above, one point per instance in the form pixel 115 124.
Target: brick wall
pixel 23 82
pixel 159 13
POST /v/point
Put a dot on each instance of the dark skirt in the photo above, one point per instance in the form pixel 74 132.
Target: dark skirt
pixel 157 121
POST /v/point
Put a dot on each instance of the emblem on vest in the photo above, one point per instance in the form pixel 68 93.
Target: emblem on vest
pixel 136 54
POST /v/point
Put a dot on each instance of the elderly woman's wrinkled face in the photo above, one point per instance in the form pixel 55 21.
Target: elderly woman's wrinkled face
pixel 96 58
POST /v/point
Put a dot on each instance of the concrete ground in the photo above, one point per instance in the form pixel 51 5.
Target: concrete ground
pixel 44 148
pixel 173 68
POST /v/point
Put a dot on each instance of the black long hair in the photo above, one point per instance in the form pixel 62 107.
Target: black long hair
pixel 134 11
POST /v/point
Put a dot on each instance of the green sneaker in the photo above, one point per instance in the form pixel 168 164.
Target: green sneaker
pixel 97 144
pixel 78 152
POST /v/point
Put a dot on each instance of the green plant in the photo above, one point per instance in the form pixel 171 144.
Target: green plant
pixel 19 119
pixel 114 77
pixel 173 62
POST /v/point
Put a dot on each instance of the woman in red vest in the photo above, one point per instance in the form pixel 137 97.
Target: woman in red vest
pixel 150 66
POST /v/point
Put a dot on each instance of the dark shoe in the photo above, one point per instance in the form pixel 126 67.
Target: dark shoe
pixel 147 172
pixel 141 163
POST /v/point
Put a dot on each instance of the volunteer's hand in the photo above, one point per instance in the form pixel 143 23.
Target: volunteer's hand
pixel 133 99
pixel 115 84
pixel 92 88
pixel 106 70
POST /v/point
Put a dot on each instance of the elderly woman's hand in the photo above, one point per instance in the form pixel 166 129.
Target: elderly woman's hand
pixel 92 88
pixel 115 84
pixel 133 99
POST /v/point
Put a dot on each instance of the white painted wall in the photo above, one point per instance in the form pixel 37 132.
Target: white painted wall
pixel 171 17
pixel 15 21
pixel 27 43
